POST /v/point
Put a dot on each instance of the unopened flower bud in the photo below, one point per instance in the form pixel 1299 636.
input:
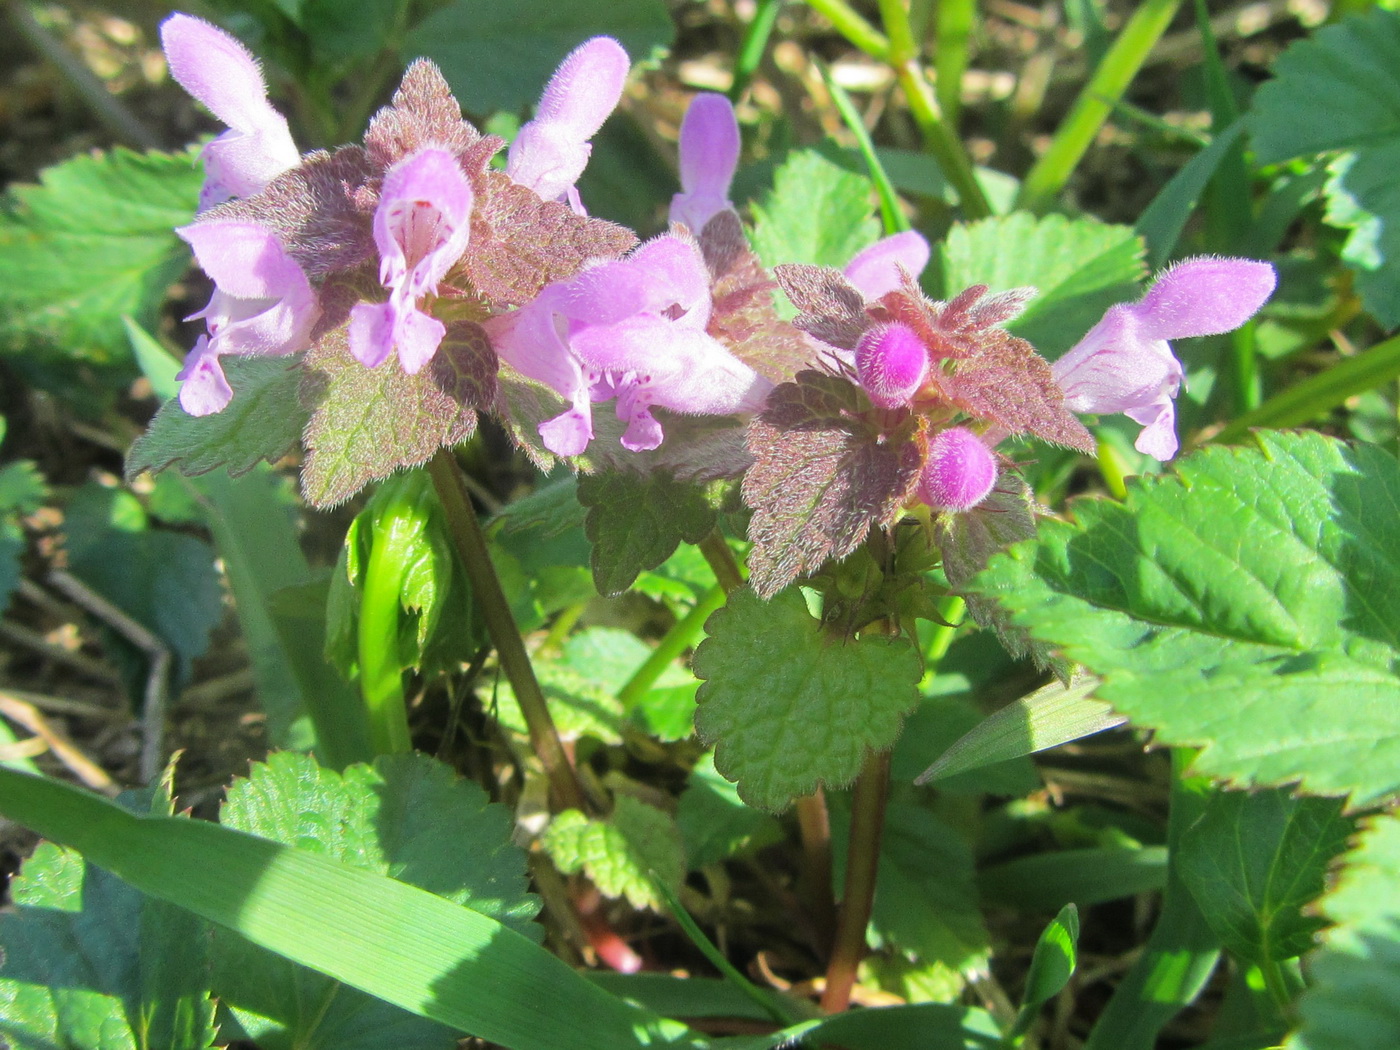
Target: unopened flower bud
pixel 960 471
pixel 891 364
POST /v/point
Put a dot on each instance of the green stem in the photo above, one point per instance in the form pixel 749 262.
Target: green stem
pixel 862 862
pixel 955 19
pixel 560 628
pixel 470 543
pixel 1120 65
pixel 891 214
pixel 752 47
pixel 947 151
pixel 721 560
pixel 381 677
pixel 679 638
pixel 853 27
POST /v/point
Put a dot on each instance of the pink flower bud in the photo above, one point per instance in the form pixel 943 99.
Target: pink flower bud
pixel 891 364
pixel 959 473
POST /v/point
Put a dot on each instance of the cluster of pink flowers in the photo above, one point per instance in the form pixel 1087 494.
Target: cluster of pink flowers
pixel 642 329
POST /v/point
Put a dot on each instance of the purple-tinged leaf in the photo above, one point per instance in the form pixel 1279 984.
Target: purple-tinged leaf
pixel 424 113
pixel 822 477
pixel 831 308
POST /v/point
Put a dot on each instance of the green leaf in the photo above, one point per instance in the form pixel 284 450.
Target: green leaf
pixel 810 182
pixel 407 816
pixel 789 708
pixel 1080 267
pixel 1354 1003
pixel 91 964
pixel 1052 715
pixel 382 936
pixel 22 487
pixel 157 363
pixel 577 703
pixel 1250 605
pixel 1161 223
pixel 635 522
pixel 262 422
pixel 926 901
pixel 1254 860
pixel 624 855
pixel 92 243
pixel 1046 881
pixel 714 822
pixel 1053 962
pixel 1335 91
pixel 370 422
pixel 500 56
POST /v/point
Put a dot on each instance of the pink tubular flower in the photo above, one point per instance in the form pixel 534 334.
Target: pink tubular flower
pixel 421 227
pixel 634 330
pixel 1124 363
pixel 220 72
pixel 875 271
pixel 262 304
pixel 959 472
pixel 709 153
pixel 551 151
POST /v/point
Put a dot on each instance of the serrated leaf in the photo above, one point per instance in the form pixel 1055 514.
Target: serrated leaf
pixel 1354 1003
pixel 499 57
pixel 823 476
pixel 92 964
pixel 1052 715
pixel 1253 861
pixel 1335 90
pixel 789 708
pixel 623 855
pixel 262 423
pixel 369 422
pixel 636 521
pixel 22 488
pixel 1080 267
pixel 714 822
pixel 1249 605
pixel 579 706
pixel 93 242
pixel 408 817
pixel 807 183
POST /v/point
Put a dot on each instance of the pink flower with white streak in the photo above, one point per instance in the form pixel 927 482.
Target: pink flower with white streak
pixel 421 228
pixel 221 73
pixel 262 304
pixel 632 330
pixel 1125 364
pixel 551 151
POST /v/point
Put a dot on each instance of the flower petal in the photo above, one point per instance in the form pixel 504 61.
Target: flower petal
pixel 709 153
pixel 204 388
pixel 1205 296
pixel 959 472
pixel 875 271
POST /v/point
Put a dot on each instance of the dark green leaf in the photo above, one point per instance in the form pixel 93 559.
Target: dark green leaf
pixel 635 522
pixel 1053 962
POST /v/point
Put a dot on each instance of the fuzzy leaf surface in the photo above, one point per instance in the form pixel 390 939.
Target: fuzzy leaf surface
pixel 1254 860
pixel 1354 1001
pixel 1079 267
pixel 500 56
pixel 823 476
pixel 262 423
pixel 407 817
pixel 1337 90
pixel 94 241
pixel 1249 605
pixel 624 855
pixel 788 707
pixel 369 422
pixel 809 182
pixel 636 521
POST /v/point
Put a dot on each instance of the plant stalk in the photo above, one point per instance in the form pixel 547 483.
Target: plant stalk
pixel 952 159
pixel 721 560
pixel 381 677
pixel 853 26
pixel 470 543
pixel 814 826
pixel 679 638
pixel 954 21
pixel 752 47
pixel 1120 65
pixel 862 863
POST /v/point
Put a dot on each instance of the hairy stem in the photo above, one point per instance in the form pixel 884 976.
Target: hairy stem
pixel 862 862
pixel 470 543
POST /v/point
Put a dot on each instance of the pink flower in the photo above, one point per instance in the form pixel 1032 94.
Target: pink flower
pixel 709 153
pixel 959 472
pixel 632 330
pixel 551 151
pixel 421 227
pixel 262 304
pixel 220 72
pixel 1124 364
pixel 876 270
